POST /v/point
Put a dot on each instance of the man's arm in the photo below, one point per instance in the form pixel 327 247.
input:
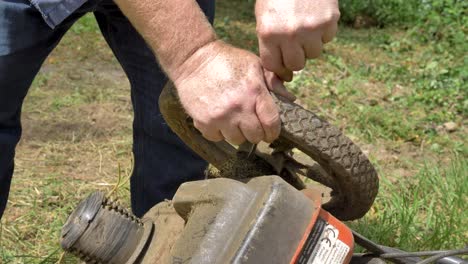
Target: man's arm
pixel 174 29
pixel 224 89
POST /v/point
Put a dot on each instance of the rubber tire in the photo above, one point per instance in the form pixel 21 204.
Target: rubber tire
pixel 350 174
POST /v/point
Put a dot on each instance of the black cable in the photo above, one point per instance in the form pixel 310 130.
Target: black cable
pixel 434 254
pixel 402 254
pixel 463 251
pixel 380 251
pixel 415 254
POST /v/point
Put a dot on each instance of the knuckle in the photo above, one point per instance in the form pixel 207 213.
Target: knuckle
pixel 331 14
pixel 273 32
pixel 311 23
pixel 210 120
pixel 222 112
pixel 272 122
pixel 206 123
pixel 290 32
pixel 201 124
pixel 328 17
pixel 336 15
pixel 266 32
pixel 206 132
pixel 252 88
pixel 233 105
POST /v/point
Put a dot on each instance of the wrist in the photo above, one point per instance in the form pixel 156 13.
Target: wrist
pixel 175 63
pixel 196 60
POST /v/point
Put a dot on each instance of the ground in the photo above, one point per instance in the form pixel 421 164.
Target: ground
pixel 371 83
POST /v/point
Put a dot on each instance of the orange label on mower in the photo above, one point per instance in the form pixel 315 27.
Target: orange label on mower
pixel 327 241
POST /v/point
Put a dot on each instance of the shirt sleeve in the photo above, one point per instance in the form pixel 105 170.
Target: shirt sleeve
pixel 55 11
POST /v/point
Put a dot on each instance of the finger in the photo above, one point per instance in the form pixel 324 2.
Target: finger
pixel 210 134
pixel 267 113
pixel 293 56
pixel 252 129
pixel 313 46
pixel 330 33
pixel 233 135
pixel 275 85
pixel 273 61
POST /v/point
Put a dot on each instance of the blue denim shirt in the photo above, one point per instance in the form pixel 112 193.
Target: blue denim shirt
pixel 55 11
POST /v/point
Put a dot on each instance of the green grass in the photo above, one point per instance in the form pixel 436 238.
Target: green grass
pixel 390 99
pixel 390 94
pixel 425 212
pixel 34 233
pixel 33 237
pixel 87 24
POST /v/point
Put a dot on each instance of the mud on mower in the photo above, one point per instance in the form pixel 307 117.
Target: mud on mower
pixel 254 208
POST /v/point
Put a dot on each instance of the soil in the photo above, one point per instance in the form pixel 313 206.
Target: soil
pixel 84 138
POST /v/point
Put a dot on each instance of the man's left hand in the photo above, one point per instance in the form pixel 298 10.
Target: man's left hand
pixel 291 31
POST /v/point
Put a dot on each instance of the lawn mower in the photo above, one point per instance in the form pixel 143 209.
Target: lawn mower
pixel 255 206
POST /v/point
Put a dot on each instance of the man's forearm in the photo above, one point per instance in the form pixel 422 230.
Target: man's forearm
pixel 174 29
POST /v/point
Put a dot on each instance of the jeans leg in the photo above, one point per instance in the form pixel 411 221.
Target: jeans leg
pixel 162 160
pixel 25 42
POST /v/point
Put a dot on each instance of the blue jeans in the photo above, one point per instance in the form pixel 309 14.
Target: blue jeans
pixel 162 160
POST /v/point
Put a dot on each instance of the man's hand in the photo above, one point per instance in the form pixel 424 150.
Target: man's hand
pixel 224 89
pixel 291 31
pixel 226 92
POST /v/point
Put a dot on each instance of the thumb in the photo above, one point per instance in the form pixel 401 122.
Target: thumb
pixel 275 85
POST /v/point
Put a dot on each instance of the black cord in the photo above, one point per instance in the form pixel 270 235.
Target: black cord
pixel 463 251
pixel 434 254
pixel 380 251
pixel 416 254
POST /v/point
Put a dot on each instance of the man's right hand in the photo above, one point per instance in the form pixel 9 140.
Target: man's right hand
pixel 224 89
pixel 226 92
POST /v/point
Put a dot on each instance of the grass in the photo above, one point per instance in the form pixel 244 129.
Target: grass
pixel 425 212
pixel 389 93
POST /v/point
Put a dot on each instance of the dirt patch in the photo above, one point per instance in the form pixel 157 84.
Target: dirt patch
pixel 86 122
